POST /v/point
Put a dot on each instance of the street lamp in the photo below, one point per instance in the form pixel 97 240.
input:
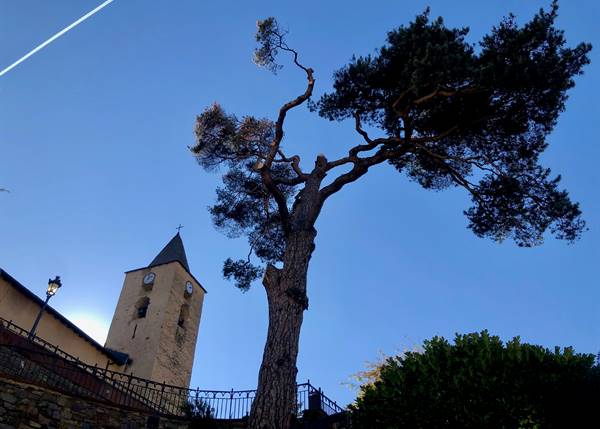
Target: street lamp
pixel 53 286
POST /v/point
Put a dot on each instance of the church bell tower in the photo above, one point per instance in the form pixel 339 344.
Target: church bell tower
pixel 157 317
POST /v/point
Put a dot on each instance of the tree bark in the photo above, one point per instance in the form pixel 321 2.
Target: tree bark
pixel 275 402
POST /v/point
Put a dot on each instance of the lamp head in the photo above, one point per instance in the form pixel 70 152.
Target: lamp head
pixel 53 286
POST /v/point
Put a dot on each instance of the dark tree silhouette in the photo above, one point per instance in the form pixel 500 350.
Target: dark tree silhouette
pixel 448 113
pixel 199 415
pixel 479 382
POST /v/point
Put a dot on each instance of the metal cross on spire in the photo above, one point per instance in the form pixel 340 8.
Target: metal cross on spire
pixel 179 228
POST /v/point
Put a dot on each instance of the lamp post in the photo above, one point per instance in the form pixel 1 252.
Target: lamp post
pixel 53 286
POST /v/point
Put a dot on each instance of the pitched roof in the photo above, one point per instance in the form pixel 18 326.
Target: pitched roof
pixel 172 252
pixel 117 357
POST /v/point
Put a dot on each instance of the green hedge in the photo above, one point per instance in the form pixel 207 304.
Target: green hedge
pixel 478 382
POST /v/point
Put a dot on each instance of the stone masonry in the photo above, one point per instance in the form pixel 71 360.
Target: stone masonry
pixel 24 406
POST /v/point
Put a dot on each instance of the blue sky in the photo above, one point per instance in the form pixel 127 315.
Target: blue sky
pixel 93 137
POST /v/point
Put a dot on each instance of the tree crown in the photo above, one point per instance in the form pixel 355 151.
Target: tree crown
pixel 450 114
pixel 478 381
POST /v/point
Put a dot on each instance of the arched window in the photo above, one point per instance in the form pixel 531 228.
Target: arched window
pixel 141 308
pixel 183 315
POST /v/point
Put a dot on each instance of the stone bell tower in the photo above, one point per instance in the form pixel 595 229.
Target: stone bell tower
pixel 157 317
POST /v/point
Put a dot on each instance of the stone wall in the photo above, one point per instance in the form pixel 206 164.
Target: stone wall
pixel 26 406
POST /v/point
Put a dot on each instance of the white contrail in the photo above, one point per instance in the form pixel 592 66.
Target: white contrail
pixel 56 36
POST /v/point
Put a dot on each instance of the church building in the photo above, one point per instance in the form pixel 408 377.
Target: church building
pixel 154 327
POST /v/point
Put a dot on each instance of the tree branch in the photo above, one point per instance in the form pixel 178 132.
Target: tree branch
pixel 439 91
pixel 279 199
pixel 400 98
pixel 265 169
pixel 371 144
pixel 361 166
pixel 456 176
pixel 447 92
pixel 295 164
pixel 358 128
pixel 274 147
pixel 389 148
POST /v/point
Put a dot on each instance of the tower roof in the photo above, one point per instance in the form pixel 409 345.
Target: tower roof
pixel 172 252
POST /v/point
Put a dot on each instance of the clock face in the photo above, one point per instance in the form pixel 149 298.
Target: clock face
pixel 149 278
pixel 189 288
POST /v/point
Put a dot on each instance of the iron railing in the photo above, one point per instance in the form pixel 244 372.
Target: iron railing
pixel 39 362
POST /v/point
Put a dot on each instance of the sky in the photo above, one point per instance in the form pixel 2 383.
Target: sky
pixel 94 131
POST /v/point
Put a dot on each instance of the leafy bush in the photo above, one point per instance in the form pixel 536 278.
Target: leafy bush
pixel 479 382
pixel 199 414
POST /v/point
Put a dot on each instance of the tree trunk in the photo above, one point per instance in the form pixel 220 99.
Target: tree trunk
pixel 275 402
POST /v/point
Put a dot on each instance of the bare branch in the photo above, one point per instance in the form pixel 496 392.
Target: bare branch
pixel 272 41
pixel 361 166
pixel 358 128
pixel 274 147
pixel 353 153
pixel 388 148
pixel 371 145
pixel 294 162
pixel 338 162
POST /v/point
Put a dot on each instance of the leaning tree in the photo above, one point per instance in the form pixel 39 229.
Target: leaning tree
pixel 447 113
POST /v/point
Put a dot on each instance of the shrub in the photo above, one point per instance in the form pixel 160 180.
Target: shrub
pixel 479 382
pixel 199 415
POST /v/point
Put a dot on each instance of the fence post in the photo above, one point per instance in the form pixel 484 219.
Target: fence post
pixel 315 400
pixel 128 390
pixel 320 398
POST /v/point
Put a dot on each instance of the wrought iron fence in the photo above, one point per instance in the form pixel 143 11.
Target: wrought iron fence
pixel 39 362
